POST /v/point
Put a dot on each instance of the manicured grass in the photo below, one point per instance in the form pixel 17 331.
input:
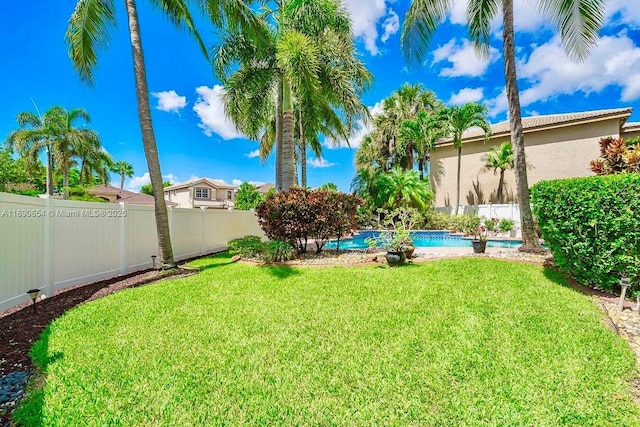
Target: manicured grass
pixel 454 342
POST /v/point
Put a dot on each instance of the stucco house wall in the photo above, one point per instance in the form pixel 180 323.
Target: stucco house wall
pixel 221 195
pixel 563 151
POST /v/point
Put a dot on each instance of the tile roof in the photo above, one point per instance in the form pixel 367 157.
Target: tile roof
pixel 553 120
pixel 631 126
pixel 189 183
pixel 142 199
pixel 109 189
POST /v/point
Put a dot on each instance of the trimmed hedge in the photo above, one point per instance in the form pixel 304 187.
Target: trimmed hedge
pixel 592 226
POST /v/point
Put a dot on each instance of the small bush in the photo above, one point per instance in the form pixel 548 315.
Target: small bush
pixel 277 251
pixel 299 215
pixel 248 246
pixel 592 226
pixel 506 225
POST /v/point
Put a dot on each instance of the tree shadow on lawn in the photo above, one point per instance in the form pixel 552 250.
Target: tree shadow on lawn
pixel 559 278
pixel 281 272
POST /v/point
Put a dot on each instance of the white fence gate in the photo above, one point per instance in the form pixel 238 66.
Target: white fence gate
pixel 504 211
pixel 52 244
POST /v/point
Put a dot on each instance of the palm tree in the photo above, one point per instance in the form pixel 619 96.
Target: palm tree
pixel 88 31
pixel 402 188
pixel 578 22
pixel 36 134
pixel 123 169
pixel 69 139
pixel 402 105
pixel 459 119
pixel 304 61
pixel 500 158
pixel 423 131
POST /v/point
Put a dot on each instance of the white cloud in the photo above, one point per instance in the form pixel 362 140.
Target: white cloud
pixel 135 183
pixel 366 15
pixel 169 101
pixel 498 104
pixel 236 181
pixel 467 95
pixel 171 178
pixel 526 16
pixel 391 25
pixel 463 58
pixel 253 154
pixel 319 163
pixel 622 12
pixel 210 110
pixel 548 73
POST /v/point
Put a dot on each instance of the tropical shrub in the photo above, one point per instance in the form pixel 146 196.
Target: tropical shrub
pixel 300 214
pixel 434 220
pixel 277 251
pixel 592 226
pixel 506 225
pixel 617 156
pixel 247 197
pixel 248 246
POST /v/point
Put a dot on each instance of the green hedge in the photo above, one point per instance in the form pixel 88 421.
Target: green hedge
pixel 592 226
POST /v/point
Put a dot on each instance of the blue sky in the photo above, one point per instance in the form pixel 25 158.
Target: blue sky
pixel 195 140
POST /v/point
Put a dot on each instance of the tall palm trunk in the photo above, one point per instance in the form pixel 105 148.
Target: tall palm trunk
pixel 458 180
pixel 501 187
pixel 122 180
pixel 279 130
pixel 303 154
pixel 421 168
pixel 65 181
pixel 530 241
pixel 49 156
pixel 149 139
pixel 288 147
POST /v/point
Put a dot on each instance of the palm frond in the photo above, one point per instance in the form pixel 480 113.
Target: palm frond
pixel 88 31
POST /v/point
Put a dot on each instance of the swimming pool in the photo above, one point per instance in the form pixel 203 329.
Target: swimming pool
pixel 423 239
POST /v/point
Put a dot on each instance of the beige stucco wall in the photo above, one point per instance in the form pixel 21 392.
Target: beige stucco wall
pixel 181 197
pixel 555 153
pixel 630 135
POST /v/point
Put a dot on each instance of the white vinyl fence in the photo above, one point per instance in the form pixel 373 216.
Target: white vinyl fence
pixel 504 211
pixel 52 244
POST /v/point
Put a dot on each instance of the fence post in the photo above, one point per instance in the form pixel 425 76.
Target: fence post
pixel 47 276
pixel 202 208
pixel 123 240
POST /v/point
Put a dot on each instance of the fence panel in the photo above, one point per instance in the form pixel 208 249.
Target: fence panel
pixel 503 211
pixel 22 250
pixel 52 244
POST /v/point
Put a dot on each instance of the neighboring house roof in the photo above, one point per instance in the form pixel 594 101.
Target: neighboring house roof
pixel 631 127
pixel 125 196
pixel 551 121
pixel 109 190
pixel 264 188
pixel 197 181
pixel 143 199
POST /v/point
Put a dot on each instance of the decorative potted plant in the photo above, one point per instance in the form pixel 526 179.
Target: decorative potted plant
pixel 479 241
pixel 394 242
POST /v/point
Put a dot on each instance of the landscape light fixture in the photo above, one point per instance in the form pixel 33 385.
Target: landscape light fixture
pixel 153 261
pixel 33 294
pixel 625 282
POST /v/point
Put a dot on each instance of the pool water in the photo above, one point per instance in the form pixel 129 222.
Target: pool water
pixel 423 239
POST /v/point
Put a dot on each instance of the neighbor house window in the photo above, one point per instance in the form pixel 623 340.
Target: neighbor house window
pixel 229 195
pixel 202 193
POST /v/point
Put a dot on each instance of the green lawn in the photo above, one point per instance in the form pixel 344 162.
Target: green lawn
pixel 454 342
